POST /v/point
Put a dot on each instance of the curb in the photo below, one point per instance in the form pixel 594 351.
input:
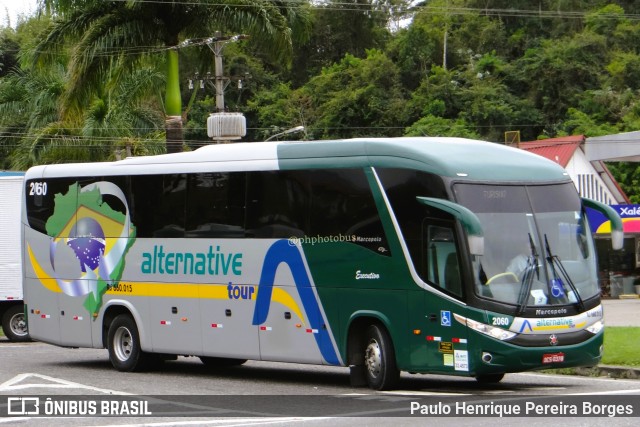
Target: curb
pixel 618 372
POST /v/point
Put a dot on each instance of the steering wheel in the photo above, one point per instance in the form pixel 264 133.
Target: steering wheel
pixel 508 274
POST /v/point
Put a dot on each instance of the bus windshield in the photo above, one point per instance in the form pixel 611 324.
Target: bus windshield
pixel 537 251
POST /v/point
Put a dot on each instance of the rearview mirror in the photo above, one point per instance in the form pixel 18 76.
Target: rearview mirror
pixel 470 222
pixel 617 231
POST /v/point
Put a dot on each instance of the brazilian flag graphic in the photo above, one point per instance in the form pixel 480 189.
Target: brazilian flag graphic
pixel 98 235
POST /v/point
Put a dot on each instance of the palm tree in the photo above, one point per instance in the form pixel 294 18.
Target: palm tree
pixel 124 113
pixel 103 31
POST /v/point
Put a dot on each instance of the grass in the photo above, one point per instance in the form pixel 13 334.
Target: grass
pixel 621 346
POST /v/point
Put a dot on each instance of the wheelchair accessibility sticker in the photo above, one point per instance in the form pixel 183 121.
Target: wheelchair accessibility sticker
pixel 445 318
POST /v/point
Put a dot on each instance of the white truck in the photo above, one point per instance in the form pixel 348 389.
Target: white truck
pixel 14 324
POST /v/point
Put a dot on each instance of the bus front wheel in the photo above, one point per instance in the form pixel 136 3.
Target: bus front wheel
pixel 379 359
pixel 125 353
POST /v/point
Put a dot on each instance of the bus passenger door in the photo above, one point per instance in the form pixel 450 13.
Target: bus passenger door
pixel 446 339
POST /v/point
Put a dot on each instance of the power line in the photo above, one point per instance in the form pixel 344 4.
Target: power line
pixel 440 10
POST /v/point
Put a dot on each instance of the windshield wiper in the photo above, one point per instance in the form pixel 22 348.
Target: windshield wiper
pixel 527 277
pixel 557 288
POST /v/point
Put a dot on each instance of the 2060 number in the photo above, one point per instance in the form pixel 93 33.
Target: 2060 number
pixel 37 188
pixel 500 321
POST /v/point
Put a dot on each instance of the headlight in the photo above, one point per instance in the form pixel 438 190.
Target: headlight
pixel 492 331
pixel 596 327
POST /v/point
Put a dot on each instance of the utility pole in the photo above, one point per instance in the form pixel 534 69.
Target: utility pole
pixel 216 44
pixel 223 126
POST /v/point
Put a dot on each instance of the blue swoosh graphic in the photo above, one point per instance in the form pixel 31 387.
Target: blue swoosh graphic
pixel 282 252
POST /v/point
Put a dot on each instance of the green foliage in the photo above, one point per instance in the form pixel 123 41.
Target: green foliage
pixel 337 29
pixel 9 49
pixel 621 346
pixel 92 80
pixel 355 97
pixel 278 108
pixel 559 72
pixel 430 125
pixel 628 176
pixel 580 123
pixel 624 70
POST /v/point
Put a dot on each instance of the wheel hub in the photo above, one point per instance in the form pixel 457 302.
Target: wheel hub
pixel 122 344
pixel 18 325
pixel 373 358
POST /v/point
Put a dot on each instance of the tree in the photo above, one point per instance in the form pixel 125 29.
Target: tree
pixel 278 108
pixel 356 97
pixel 430 125
pixel 555 75
pixel 104 32
pixel 338 28
pixel 8 51
pixel 123 110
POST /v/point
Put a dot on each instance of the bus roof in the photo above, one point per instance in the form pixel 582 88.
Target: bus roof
pixel 450 157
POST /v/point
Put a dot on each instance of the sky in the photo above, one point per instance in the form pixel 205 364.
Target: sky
pixel 13 8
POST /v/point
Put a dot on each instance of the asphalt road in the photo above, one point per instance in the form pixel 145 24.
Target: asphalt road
pixel 265 393
pixel 621 312
pixel 279 394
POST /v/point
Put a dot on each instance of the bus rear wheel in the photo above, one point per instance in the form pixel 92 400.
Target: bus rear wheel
pixel 123 344
pixel 14 324
pixel 379 359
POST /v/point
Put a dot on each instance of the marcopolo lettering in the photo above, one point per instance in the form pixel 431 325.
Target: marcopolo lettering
pixel 212 263
pixel 554 311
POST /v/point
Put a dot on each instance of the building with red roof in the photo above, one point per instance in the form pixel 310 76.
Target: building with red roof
pixel 583 159
pixel 591 177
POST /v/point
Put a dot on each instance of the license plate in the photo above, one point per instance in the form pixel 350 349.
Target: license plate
pixel 552 358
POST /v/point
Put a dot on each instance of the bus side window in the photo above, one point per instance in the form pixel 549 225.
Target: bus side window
pixel 158 205
pixel 277 205
pixel 343 207
pixel 215 205
pixel 443 266
pixel 40 207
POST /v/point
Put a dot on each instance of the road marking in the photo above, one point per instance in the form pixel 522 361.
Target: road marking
pixel 14 384
pixel 576 377
pixel 599 393
pixel 410 393
pixel 225 423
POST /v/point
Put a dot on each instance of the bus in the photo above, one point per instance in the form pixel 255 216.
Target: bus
pixel 12 317
pixel 381 255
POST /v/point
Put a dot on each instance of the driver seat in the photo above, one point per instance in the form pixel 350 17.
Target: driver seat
pixel 452 281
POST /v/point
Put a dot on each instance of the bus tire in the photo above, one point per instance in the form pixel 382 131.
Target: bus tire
pixel 123 344
pixel 381 370
pixel 221 362
pixel 14 324
pixel 489 378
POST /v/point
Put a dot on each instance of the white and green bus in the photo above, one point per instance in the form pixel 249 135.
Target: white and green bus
pixel 383 255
